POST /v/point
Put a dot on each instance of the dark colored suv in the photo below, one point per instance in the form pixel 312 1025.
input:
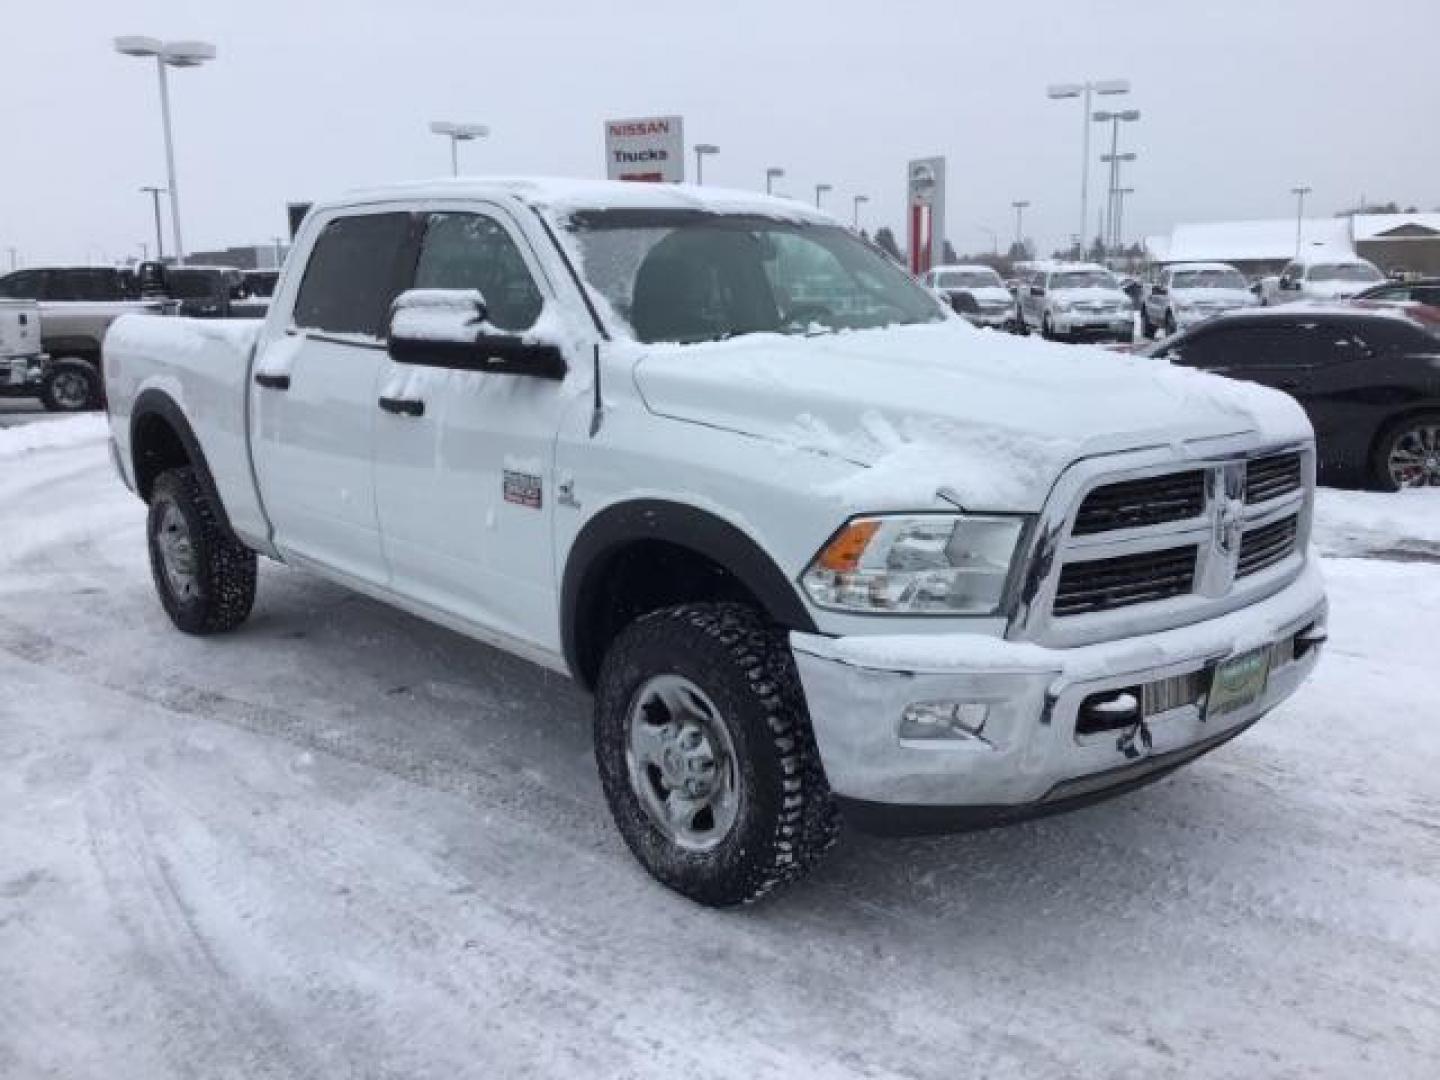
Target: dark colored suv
pixel 70 283
pixel 1369 378
pixel 1424 291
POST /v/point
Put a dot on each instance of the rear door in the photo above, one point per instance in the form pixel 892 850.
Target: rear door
pixel 314 399
pixel 465 478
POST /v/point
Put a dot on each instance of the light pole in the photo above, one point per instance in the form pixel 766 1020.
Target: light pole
pixel 1114 118
pixel 155 193
pixel 820 190
pixel 14 258
pixel 1020 205
pixel 458 133
pixel 702 150
pixel 1085 90
pixel 279 242
pixel 1120 194
pixel 773 173
pixel 855 211
pixel 177 54
pixel 1299 191
pixel 1114 161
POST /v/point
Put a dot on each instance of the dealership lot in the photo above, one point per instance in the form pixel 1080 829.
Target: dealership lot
pixel 344 842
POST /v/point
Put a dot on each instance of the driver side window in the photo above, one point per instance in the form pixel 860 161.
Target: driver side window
pixel 472 251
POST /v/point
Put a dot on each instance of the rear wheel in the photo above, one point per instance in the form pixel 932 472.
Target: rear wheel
pixel 1047 331
pixel 706 754
pixel 1147 328
pixel 1170 324
pixel 205 578
pixel 70 386
pixel 1407 455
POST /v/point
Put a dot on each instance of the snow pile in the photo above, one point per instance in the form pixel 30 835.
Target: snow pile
pixel 1378 523
pixel 56 434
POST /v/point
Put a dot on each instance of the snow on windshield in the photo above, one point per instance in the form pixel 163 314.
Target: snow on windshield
pixel 967 279
pixel 1344 272
pixel 1208 279
pixel 690 276
pixel 1082 279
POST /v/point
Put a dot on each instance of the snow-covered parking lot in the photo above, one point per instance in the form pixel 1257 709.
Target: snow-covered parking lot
pixel 342 842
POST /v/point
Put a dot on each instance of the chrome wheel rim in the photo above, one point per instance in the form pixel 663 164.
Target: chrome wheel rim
pixel 1415 457
pixel 177 553
pixel 71 390
pixel 681 762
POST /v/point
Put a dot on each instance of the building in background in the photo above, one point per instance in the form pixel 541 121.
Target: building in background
pixel 1393 242
pixel 245 257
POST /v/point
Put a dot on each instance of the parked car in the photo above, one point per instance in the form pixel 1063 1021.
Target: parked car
pixel 260 284
pixel 1187 293
pixel 1369 378
pixel 977 293
pixel 1320 278
pixel 1075 300
pixel 809 558
pixel 20 353
pixel 77 305
pixel 1418 291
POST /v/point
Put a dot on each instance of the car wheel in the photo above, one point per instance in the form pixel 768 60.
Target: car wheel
pixel 1046 330
pixel 1407 455
pixel 70 386
pixel 1147 329
pixel 205 579
pixel 706 755
pixel 1170 326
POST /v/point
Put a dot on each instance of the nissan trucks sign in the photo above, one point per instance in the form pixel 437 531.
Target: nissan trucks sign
pixel 651 148
pixel 925 206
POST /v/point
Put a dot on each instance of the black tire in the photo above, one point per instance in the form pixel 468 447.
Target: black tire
pixel 1379 473
pixel 1170 325
pixel 70 386
pixel 1045 330
pixel 220 587
pixel 786 818
pixel 1147 328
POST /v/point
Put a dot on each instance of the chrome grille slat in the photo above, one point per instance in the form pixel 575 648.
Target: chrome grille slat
pixel 1155 500
pixel 1266 546
pixel 1270 477
pixel 1103 584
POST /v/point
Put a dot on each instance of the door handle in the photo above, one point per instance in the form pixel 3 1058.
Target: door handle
pixel 403 406
pixel 272 382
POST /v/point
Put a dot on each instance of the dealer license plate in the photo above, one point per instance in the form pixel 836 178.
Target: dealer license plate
pixel 1238 682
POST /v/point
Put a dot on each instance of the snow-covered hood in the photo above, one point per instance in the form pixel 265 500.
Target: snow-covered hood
pixel 1219 298
pixel 994 419
pixel 1336 289
pixel 1090 294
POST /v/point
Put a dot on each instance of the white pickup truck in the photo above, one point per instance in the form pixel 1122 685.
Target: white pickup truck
pixel 810 557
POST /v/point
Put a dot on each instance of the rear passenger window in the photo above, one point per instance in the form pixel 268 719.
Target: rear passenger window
pixel 354 274
pixel 22 285
pixel 472 251
pixel 84 284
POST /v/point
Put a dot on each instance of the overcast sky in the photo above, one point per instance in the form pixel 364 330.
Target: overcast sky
pixel 1241 100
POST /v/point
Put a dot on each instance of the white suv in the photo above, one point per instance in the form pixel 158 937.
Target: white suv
pixel 1189 293
pixel 1321 278
pixel 1075 300
pixel 975 292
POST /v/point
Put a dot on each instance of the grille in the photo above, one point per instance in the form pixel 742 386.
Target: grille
pixel 1104 584
pixel 1154 500
pixel 1266 546
pixel 1269 478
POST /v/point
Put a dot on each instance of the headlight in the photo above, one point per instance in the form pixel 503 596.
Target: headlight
pixel 930 564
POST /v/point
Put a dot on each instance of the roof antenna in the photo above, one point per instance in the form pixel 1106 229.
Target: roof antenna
pixel 598 411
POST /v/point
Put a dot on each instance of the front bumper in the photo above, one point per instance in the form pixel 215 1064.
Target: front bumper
pixel 1093 323
pixel 1031 758
pixel 998 319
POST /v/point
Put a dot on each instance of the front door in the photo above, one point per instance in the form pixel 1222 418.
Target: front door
pixel 464 475
pixel 314 396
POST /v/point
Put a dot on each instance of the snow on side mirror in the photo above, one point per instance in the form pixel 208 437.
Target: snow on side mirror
pixel 450 328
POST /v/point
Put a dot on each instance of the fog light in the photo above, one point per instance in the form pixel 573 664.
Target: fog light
pixel 932 720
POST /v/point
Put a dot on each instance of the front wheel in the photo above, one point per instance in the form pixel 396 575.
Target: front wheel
pixel 70 386
pixel 1170 325
pixel 1047 330
pixel 1147 328
pixel 1407 455
pixel 706 755
pixel 205 578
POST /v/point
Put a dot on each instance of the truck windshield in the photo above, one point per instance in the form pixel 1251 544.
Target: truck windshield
pixel 1208 279
pixel 1344 272
pixel 1082 279
pixel 689 276
pixel 968 279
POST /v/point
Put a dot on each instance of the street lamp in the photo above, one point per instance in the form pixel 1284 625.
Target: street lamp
pixel 855 212
pixel 176 54
pixel 773 173
pixel 1300 191
pixel 1020 205
pixel 1086 90
pixel 820 190
pixel 458 133
pixel 1114 161
pixel 701 150
pixel 155 193
pixel 1114 119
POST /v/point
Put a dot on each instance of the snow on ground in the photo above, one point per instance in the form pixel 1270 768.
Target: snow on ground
pixel 342 842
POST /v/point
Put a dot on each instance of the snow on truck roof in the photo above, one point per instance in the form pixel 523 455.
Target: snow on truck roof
pixel 563 196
